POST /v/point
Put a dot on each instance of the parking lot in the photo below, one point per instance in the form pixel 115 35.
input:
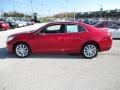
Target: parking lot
pixel 58 71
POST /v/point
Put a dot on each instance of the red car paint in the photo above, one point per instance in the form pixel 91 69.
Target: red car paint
pixel 4 26
pixel 62 42
pixel 108 24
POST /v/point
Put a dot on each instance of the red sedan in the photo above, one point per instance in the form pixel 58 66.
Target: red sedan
pixel 61 37
pixel 4 25
pixel 108 24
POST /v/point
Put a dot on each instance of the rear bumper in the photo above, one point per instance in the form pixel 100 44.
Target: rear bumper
pixel 106 44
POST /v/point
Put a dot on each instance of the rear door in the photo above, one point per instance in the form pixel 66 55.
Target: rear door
pixel 72 38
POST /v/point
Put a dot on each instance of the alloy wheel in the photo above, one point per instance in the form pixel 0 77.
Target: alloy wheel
pixel 22 50
pixel 90 51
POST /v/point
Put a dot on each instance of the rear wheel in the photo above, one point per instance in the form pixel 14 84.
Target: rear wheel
pixel 22 50
pixel 90 51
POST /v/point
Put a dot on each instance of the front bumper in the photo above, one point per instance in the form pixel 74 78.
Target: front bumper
pixel 10 47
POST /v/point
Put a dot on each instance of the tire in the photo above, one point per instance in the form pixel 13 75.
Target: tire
pixel 90 50
pixel 1 29
pixel 22 50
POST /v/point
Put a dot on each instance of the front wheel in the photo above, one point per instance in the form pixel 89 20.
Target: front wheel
pixel 90 51
pixel 22 50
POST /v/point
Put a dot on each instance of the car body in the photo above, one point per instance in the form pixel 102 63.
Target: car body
pixel 94 22
pixel 21 23
pixel 24 23
pixel 61 37
pixel 107 24
pixel 112 26
pixel 29 22
pixel 11 23
pixel 4 25
pixel 115 32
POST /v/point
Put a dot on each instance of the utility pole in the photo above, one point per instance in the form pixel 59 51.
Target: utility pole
pixel 42 5
pixel 101 9
pixel 66 10
pixel 74 11
pixel 14 7
pixel 2 13
pixel 49 12
pixel 31 3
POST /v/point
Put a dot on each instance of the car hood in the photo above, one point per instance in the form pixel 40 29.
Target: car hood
pixel 23 33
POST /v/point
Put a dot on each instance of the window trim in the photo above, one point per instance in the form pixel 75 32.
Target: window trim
pixel 39 30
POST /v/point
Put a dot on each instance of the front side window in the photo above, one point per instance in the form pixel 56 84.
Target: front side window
pixel 52 29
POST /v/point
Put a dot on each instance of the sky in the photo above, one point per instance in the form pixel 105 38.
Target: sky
pixel 51 7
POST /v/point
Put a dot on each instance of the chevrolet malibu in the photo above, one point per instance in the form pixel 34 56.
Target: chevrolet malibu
pixel 61 37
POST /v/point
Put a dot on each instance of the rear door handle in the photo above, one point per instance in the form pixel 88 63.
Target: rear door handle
pixel 59 38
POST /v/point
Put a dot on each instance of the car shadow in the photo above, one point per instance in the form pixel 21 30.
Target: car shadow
pixel 4 54
pixel 116 38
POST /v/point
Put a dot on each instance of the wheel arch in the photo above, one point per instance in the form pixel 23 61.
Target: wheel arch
pixel 91 42
pixel 23 43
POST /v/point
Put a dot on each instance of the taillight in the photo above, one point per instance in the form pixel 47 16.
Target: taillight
pixel 109 34
pixel 3 24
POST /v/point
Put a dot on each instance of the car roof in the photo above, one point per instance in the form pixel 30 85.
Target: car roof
pixel 64 23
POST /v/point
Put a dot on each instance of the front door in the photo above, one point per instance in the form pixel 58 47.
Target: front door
pixel 48 40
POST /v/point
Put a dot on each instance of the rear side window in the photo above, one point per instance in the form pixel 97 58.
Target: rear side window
pixel 81 29
pixel 71 28
pixel 74 28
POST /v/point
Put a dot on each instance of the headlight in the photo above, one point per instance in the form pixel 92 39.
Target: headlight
pixel 10 38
